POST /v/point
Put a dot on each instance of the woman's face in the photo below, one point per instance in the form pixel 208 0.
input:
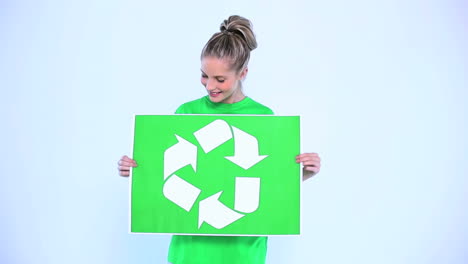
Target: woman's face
pixel 221 83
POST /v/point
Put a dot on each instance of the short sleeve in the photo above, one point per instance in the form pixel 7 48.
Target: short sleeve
pixel 180 109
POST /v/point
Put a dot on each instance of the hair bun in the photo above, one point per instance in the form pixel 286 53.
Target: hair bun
pixel 235 42
pixel 240 26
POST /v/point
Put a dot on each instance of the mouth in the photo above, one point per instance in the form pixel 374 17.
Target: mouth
pixel 214 94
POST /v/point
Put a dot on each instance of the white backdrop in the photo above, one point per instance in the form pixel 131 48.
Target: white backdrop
pixel 381 86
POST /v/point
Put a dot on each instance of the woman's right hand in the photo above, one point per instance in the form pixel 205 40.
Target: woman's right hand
pixel 125 163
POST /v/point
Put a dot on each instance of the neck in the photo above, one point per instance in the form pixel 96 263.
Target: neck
pixel 236 97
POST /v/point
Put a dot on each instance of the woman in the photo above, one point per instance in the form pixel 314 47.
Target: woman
pixel 224 65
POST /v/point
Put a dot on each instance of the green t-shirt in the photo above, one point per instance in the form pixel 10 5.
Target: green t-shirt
pixel 219 249
pixel 205 106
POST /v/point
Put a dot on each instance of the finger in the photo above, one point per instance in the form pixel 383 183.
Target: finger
pixel 307 155
pixel 124 168
pixel 127 159
pixel 124 173
pixel 312 169
pixel 311 163
pixel 127 163
pixel 309 159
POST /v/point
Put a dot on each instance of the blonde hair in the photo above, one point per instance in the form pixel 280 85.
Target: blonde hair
pixel 234 42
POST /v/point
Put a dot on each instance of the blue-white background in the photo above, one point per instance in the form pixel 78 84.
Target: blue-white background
pixel 381 86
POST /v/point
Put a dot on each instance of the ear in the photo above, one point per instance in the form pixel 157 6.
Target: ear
pixel 243 73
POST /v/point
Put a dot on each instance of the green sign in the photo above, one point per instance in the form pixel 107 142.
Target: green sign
pixel 216 174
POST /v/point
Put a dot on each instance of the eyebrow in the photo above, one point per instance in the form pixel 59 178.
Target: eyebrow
pixel 218 76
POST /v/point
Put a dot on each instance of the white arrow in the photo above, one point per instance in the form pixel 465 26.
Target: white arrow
pixel 245 149
pixel 215 213
pixel 181 192
pixel 213 135
pixel 178 156
pixel 247 195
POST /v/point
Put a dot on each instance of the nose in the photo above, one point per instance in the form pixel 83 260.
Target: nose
pixel 210 85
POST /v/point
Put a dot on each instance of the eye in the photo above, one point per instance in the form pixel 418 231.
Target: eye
pixel 220 80
pixel 204 76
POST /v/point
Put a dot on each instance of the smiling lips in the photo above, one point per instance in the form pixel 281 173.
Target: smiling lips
pixel 215 94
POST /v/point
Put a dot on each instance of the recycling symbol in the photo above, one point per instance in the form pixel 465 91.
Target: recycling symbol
pixel 211 209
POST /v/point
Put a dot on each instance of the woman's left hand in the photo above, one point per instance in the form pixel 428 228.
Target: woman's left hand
pixel 311 163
